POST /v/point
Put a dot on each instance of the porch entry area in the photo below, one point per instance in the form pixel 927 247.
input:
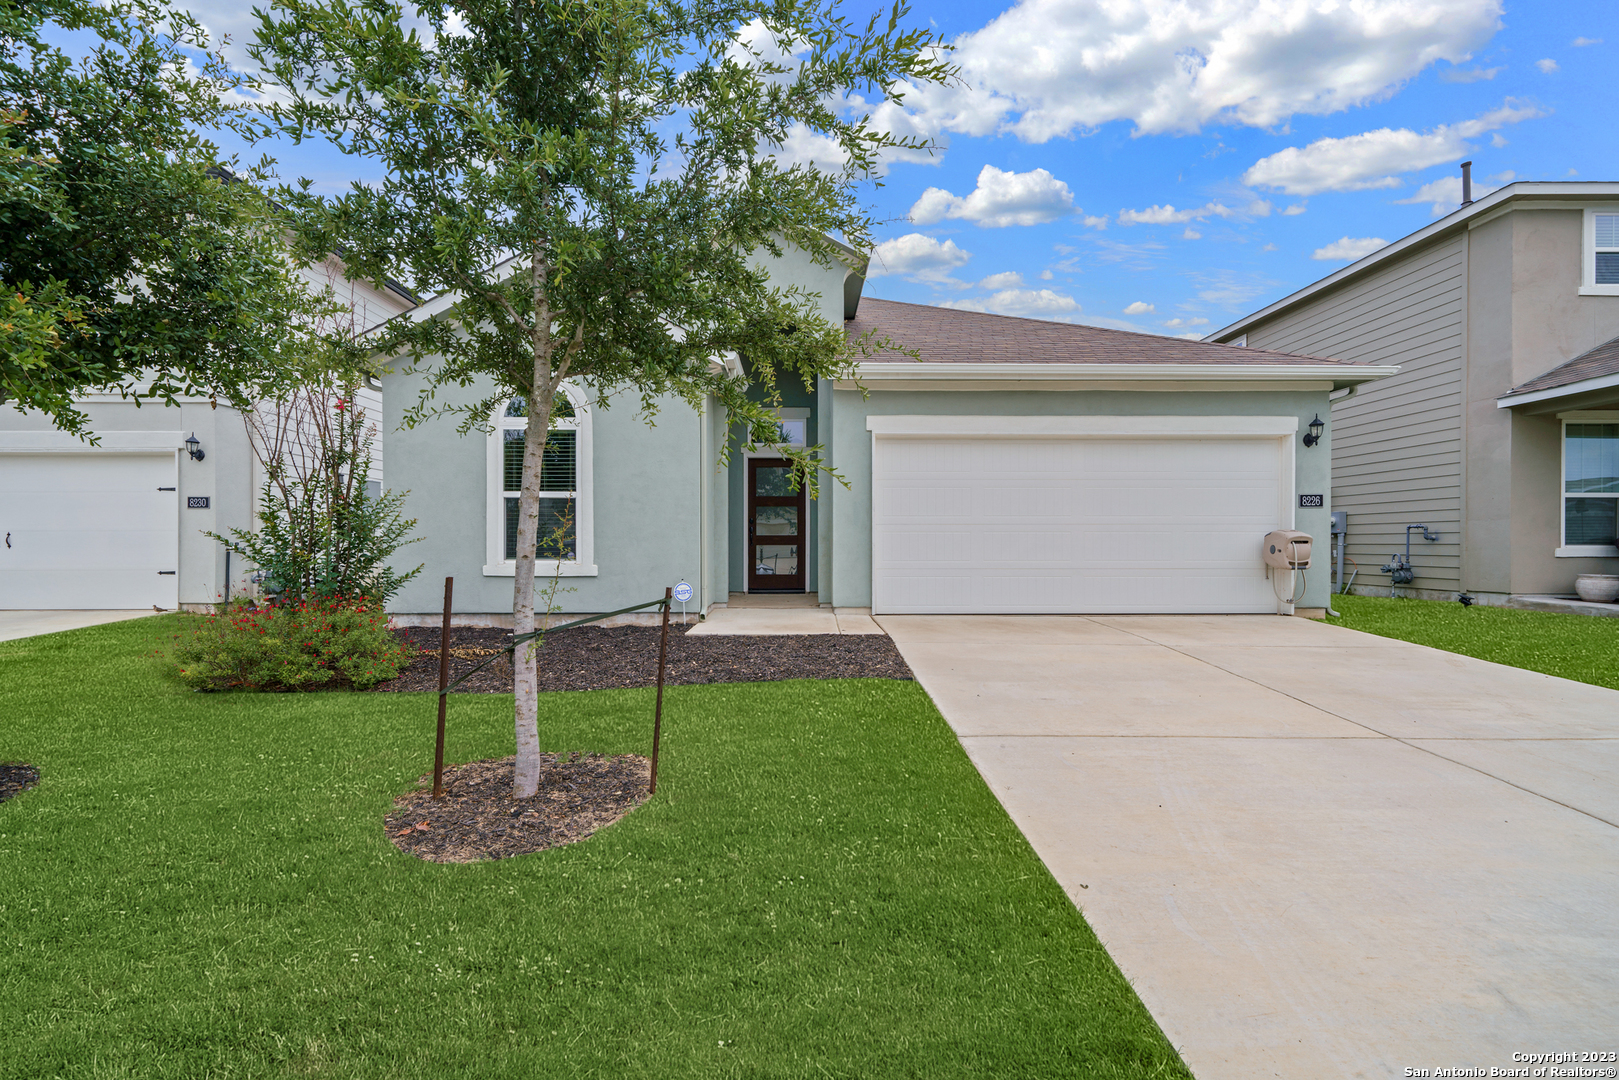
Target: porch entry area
pixel 777 524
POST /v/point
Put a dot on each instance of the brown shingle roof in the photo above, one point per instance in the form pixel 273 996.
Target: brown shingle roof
pixel 946 335
pixel 1600 361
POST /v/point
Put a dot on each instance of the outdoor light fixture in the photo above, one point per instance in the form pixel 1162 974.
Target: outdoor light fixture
pixel 1317 426
pixel 194 448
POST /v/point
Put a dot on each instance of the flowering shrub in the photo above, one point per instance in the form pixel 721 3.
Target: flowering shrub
pixel 302 645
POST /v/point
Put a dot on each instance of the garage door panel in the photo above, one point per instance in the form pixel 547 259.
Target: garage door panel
pixel 89 530
pixel 1074 525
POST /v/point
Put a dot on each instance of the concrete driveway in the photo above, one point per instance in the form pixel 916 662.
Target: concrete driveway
pixel 19 623
pixel 1313 852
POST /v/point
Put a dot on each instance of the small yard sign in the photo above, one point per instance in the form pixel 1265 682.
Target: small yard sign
pixel 682 592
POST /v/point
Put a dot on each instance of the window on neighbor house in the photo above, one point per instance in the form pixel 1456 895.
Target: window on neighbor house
pixel 559 480
pixel 1590 484
pixel 1600 274
pixel 1606 249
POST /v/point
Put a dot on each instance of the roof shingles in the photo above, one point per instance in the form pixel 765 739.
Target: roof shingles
pixel 1600 361
pixel 947 335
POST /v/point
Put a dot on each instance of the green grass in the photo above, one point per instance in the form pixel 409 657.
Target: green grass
pixel 823 887
pixel 1578 647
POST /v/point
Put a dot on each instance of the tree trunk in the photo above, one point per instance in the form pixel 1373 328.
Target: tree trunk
pixel 525 659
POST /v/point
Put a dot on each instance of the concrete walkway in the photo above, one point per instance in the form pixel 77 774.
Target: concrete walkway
pixel 20 623
pixel 1313 852
pixel 793 613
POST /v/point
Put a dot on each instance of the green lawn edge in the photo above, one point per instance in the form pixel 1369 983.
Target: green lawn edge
pixel 1579 647
pixel 823 886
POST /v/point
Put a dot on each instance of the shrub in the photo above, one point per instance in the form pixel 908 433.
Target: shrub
pixel 321 532
pixel 301 645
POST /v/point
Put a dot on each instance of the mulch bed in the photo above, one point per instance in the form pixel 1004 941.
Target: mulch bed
pixel 623 657
pixel 15 778
pixel 479 819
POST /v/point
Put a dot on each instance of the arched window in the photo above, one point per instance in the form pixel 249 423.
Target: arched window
pixel 565 500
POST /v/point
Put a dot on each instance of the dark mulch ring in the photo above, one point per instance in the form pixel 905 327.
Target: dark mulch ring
pixel 15 778
pixel 479 819
pixel 622 657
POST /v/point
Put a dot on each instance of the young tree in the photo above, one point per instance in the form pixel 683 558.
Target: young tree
pixel 130 256
pixel 590 184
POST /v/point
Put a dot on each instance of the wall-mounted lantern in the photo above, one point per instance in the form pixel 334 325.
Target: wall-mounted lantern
pixel 1317 426
pixel 194 448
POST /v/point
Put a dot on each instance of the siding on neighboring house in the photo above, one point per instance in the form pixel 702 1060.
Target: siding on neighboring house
pixel 1397 446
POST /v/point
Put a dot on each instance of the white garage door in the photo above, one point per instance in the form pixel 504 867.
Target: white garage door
pixel 1074 524
pixel 88 530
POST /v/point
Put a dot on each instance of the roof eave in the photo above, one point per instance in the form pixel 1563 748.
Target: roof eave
pixel 1553 393
pixel 1341 375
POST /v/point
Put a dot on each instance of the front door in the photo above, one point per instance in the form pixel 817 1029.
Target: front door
pixel 777 527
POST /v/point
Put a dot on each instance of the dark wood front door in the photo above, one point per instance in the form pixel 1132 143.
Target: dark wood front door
pixel 777 527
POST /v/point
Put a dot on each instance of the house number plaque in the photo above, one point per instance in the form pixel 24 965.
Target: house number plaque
pixel 196 502
pixel 1312 500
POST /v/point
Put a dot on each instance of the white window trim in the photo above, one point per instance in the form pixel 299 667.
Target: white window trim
pixel 1566 550
pixel 1588 253
pixel 584 564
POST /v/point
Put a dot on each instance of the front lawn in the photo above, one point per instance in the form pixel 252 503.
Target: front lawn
pixel 1579 647
pixel 822 887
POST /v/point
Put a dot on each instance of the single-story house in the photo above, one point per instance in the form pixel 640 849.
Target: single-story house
pixel 1500 433
pixel 119 524
pixel 1020 466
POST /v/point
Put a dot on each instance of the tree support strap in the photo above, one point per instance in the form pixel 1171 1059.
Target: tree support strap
pixel 662 601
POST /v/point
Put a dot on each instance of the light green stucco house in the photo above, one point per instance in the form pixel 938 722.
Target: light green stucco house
pixel 1020 467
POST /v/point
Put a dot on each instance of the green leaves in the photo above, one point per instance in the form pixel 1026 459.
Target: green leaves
pixel 131 257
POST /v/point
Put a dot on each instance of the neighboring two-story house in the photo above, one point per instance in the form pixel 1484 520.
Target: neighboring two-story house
pixel 1500 433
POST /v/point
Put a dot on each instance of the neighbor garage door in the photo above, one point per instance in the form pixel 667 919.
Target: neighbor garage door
pixel 88 530
pixel 1075 524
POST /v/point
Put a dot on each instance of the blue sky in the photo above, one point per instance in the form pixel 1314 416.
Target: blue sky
pixel 1171 166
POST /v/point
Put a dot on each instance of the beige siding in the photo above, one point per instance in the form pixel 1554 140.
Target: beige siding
pixel 1397 446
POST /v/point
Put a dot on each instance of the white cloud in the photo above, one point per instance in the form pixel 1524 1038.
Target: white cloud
pixel 1295 210
pixel 1348 249
pixel 1140 307
pixel 1582 42
pixel 1547 66
pixel 1011 279
pixel 1470 75
pixel 1191 336
pixel 919 258
pixel 1177 323
pixel 806 147
pixel 1269 247
pixel 1370 160
pixel 1096 222
pixel 1046 275
pixel 1445 194
pixel 1259 208
pixel 1191 234
pixel 1047 68
pixel 1000 199
pixel 1027 303
pixel 1498 140
pixel 1168 215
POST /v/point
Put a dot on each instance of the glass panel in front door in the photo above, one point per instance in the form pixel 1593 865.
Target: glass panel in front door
pixel 779 560
pixel 773 480
pixel 775 520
